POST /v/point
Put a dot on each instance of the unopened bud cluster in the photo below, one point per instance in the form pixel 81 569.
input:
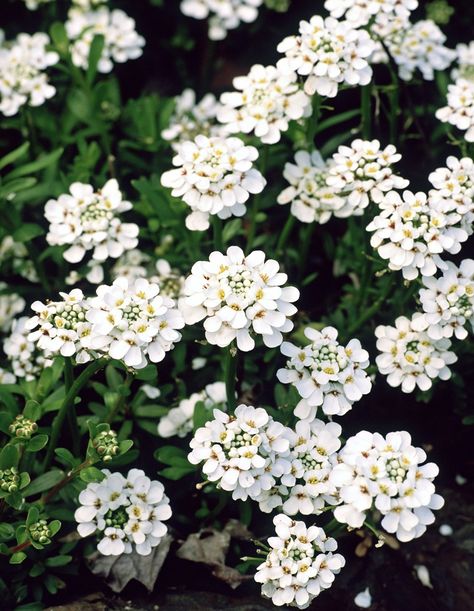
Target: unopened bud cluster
pixel 106 445
pixel 9 479
pixel 22 427
pixel 40 532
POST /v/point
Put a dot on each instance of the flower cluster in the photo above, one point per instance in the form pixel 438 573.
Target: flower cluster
pixel 89 220
pixel 223 15
pixel 61 327
pixel 301 563
pixel 191 119
pixel 6 377
pixel 11 304
pixel 23 79
pixel 129 321
pixel 26 362
pixel 448 301
pixel 363 172
pixel 133 322
pixel 409 357
pixel 214 176
pixel 307 487
pixel 179 420
pixel 244 452
pixel 121 41
pixel 361 12
pixel 126 513
pixel 460 107
pixel 386 474
pixel 326 374
pixel 312 200
pixel 32 5
pixel 328 53
pixel 412 232
pixel 465 62
pixel 239 296
pixel 420 47
pixel 454 191
pixel 264 104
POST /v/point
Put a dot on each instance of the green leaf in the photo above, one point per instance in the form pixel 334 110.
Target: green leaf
pixel 24 480
pixel 125 445
pixel 32 410
pixel 336 119
pixel 44 482
pixel 59 37
pixel 150 411
pixel 171 455
pixel 7 531
pixel 66 457
pixel 58 560
pixel 9 456
pixel 95 53
pixel 37 165
pixel 201 415
pixel 18 558
pixel 54 527
pixel 37 443
pixel 33 515
pixel 27 232
pixel 79 105
pixel 175 473
pixel 15 500
pixel 91 474
pixel 11 157
pixel 10 189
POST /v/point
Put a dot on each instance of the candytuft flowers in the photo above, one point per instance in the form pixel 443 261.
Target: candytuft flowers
pixel 239 297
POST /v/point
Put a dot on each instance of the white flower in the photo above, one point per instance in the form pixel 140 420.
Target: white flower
pixel 239 297
pixel 328 53
pixel 386 474
pixel 243 453
pixel 363 600
pixel 179 420
pixel 223 14
pixel 133 264
pixel 361 12
pixel 60 327
pixel 454 191
pixel 150 391
pixel 265 102
pixel 23 79
pixel 420 46
pixel 32 5
pixel 448 301
pixel 89 220
pixel 460 108
pixel 133 322
pixel 326 374
pixel 121 41
pixel 300 564
pixel 25 360
pixel 169 280
pixel 465 62
pixel 191 119
pixel 11 304
pixel 412 232
pixel 6 377
pixel 409 357
pixel 312 200
pixel 363 172
pixel 214 176
pixel 125 513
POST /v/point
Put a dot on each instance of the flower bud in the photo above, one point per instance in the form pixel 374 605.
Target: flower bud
pixel 22 427
pixel 106 445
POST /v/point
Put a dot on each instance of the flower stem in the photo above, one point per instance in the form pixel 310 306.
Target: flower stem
pixel 68 401
pixel 256 201
pixel 230 369
pixel 290 223
pixel 71 412
pixel 366 110
pixel 217 231
pixel 119 404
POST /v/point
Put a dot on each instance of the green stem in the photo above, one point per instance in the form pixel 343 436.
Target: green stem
pixel 230 369
pixel 68 401
pixel 307 233
pixel 313 121
pixel 372 310
pixel 217 231
pixel 71 412
pixel 284 235
pixel 366 110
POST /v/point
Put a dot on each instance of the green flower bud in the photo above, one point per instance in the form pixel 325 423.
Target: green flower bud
pixel 40 532
pixel 23 427
pixel 9 479
pixel 439 11
pixel 106 445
